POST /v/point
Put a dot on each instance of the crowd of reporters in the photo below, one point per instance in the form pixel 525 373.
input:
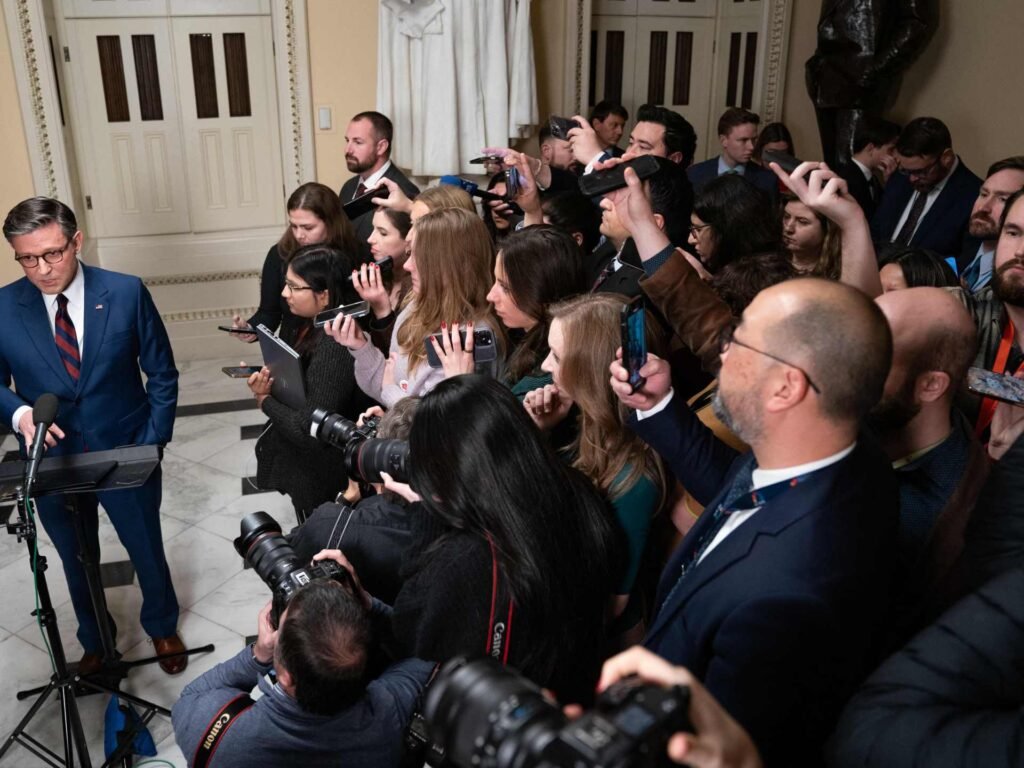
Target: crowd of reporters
pixel 796 487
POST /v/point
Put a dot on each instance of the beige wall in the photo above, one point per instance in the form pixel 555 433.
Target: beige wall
pixel 343 69
pixel 16 179
pixel 965 77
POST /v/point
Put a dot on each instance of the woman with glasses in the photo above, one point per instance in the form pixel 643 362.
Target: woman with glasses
pixel 731 219
pixel 583 337
pixel 315 216
pixel 289 459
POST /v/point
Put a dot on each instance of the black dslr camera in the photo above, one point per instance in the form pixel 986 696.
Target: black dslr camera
pixel 480 714
pixel 365 456
pixel 263 547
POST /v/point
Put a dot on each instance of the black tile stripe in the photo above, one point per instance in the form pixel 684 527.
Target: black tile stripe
pixel 252 431
pixel 117 574
pixel 249 486
pixel 223 406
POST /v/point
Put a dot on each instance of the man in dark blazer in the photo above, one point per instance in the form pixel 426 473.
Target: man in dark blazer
pixel 737 133
pixel 874 155
pixel 368 156
pixel 928 201
pixel 83 334
pixel 775 598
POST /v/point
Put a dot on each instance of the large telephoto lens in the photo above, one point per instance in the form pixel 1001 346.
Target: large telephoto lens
pixel 483 714
pixel 331 428
pixel 368 459
pixel 266 550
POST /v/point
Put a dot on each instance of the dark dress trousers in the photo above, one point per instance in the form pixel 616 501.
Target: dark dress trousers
pixel 364 224
pixel 109 407
pixel 781 619
pixel 943 228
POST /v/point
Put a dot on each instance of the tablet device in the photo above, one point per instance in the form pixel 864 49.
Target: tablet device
pixel 285 369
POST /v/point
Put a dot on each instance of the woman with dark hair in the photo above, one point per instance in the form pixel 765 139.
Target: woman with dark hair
pixel 731 219
pixel 315 216
pixel 525 557
pixel 535 268
pixel 913 267
pixel 497 215
pixel 289 460
pixel 774 137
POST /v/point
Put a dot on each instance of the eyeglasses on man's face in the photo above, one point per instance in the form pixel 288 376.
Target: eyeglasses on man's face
pixel 30 261
pixel 727 337
pixel 919 173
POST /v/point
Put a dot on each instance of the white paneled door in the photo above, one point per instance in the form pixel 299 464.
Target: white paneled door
pixel 180 131
pixel 134 156
pixel 228 115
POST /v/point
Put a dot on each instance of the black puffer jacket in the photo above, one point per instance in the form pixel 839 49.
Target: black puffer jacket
pixel 954 696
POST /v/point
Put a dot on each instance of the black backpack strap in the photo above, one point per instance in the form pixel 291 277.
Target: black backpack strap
pixel 218 727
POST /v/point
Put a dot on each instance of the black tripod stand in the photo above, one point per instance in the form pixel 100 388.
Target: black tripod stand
pixel 67 476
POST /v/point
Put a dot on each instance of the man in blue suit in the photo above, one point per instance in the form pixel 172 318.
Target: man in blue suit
pixel 775 598
pixel 737 133
pixel 927 203
pixel 83 333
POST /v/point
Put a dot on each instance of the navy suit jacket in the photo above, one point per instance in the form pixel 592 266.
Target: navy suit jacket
pixel 944 228
pixel 701 173
pixel 781 619
pixel 109 407
pixel 859 187
pixel 364 224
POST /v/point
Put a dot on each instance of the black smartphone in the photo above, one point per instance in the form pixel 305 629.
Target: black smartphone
pixel 229 329
pixel 785 161
pixel 560 126
pixel 998 386
pixel 364 203
pixel 634 341
pixel 386 265
pixel 484 349
pixel 487 159
pixel 355 309
pixel 241 371
pixel 602 182
pixel 512 183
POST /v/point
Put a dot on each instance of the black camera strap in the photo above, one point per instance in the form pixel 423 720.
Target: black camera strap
pixel 218 727
pixel 499 629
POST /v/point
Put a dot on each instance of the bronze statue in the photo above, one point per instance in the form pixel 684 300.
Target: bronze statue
pixel 864 46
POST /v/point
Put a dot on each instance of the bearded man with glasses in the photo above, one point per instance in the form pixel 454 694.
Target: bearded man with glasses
pixel 87 335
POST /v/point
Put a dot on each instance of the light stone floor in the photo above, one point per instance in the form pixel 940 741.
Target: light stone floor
pixel 203 467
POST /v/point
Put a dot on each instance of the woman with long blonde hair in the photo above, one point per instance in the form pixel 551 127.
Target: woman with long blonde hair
pixel 583 337
pixel 450 263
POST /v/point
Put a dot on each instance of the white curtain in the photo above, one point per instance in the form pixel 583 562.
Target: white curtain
pixel 455 76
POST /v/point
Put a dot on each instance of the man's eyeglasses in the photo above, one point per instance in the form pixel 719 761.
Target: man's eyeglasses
pixel 293 288
pixel 920 172
pixel 727 337
pixel 50 257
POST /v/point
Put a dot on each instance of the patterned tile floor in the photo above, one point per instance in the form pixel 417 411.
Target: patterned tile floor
pixel 205 495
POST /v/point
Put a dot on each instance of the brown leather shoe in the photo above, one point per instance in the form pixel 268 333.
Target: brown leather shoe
pixel 164 645
pixel 90 664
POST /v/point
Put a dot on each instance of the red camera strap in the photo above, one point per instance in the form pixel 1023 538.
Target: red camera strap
pixel 499 633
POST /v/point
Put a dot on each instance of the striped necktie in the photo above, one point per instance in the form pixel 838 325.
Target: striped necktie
pixel 66 338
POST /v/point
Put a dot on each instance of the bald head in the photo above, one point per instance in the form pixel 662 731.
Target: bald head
pixel 931 330
pixel 836 334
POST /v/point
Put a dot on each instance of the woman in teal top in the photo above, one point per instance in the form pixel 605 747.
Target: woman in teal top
pixel 535 268
pixel 582 339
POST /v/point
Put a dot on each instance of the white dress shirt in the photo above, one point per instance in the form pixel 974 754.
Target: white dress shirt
pixel 932 197
pixel 372 181
pixel 75 294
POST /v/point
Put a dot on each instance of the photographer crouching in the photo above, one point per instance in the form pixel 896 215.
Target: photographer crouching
pixel 316 706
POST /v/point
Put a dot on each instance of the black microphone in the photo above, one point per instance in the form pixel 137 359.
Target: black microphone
pixel 43 414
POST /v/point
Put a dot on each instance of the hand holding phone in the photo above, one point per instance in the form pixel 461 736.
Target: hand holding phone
pixel 241 371
pixel 610 179
pixel 355 309
pixel 483 346
pixel 998 386
pixel 560 126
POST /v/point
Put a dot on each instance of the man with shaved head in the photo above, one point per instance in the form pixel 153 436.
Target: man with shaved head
pixel 776 597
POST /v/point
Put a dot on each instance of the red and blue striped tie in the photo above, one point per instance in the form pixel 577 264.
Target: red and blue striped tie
pixel 66 338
